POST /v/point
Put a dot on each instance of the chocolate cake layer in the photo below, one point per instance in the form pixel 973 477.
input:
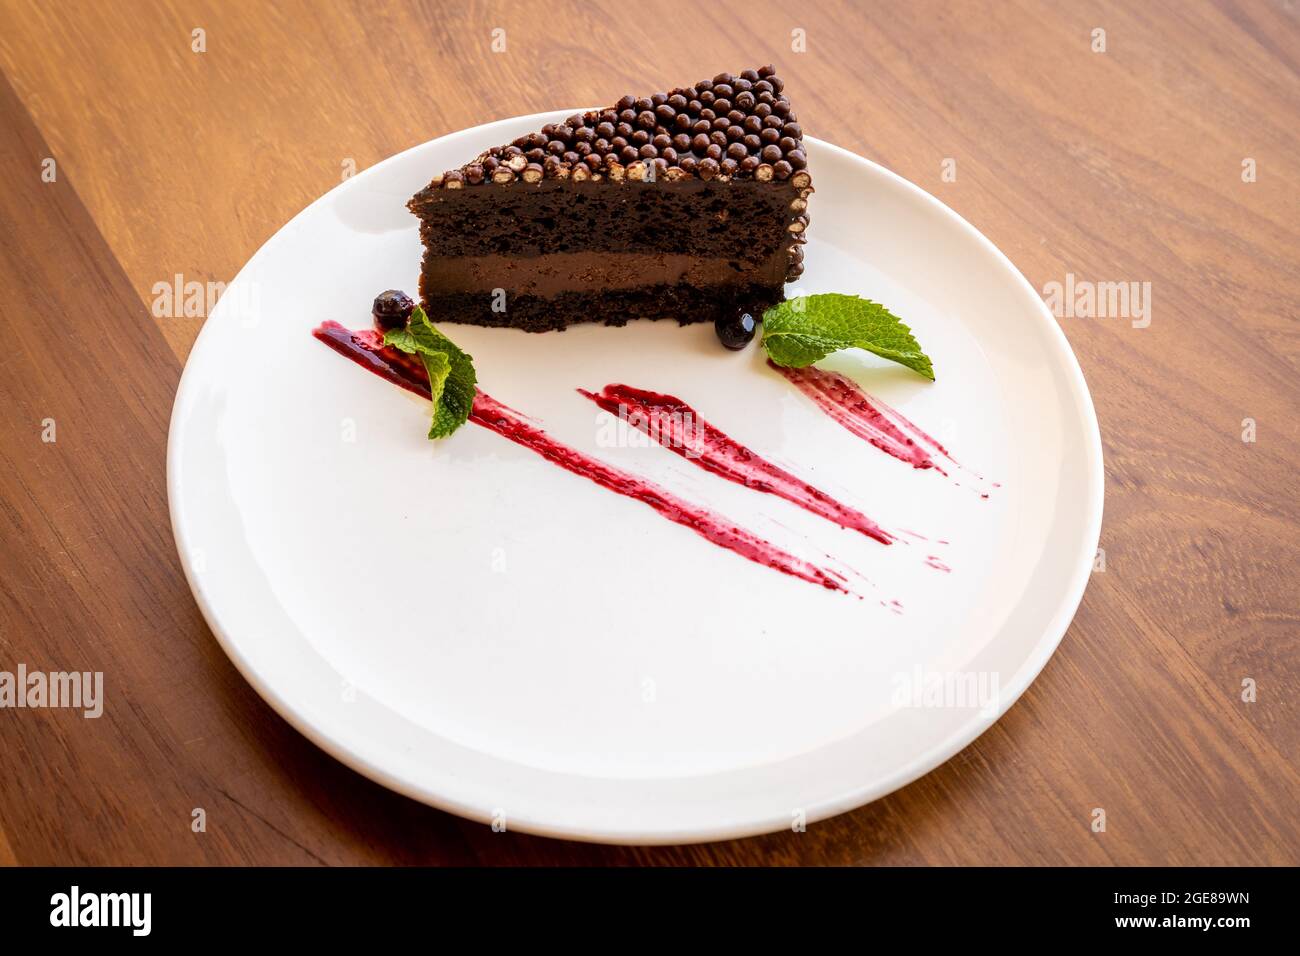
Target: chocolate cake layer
pixel 683 303
pixel 690 204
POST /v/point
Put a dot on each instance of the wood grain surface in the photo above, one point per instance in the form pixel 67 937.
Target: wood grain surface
pixel 1122 165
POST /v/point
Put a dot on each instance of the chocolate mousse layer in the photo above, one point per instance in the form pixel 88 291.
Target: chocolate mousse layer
pixel 552 274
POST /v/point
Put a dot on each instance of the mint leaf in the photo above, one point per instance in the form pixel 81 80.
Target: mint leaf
pixel 452 382
pixel 801 331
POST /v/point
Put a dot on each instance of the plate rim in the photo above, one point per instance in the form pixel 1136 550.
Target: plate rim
pixel 919 765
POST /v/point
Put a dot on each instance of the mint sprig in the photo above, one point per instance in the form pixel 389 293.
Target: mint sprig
pixel 801 331
pixel 452 382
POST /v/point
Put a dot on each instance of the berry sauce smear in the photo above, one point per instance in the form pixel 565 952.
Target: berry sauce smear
pixel 868 418
pixel 366 348
pixel 678 427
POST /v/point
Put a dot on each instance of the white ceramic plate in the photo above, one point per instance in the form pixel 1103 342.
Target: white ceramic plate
pixel 474 627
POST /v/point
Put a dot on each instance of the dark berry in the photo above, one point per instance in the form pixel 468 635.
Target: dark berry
pixel 392 309
pixel 737 330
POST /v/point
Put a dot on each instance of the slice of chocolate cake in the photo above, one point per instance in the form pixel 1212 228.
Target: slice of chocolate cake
pixel 690 204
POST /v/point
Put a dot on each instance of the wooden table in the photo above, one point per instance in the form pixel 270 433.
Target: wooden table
pixel 1122 165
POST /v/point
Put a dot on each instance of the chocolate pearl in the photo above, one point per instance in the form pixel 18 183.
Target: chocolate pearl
pixel 574 121
pixel 708 169
pixel 512 151
pixel 490 164
pixel 750 75
pixel 648 151
pixel 645 119
pixel 521 142
pixel 682 142
pixel 782 169
pixel 605 130
pixel 729 167
pixel 718 137
pixel 665 113
pixel 572 158
pixel 736 117
pixel 658 99
pixel 643 104
pixel 734 134
pixel 777 83
pixel 609 116
pixel 721 123
pixel 793 129
pixel 536 140
pixel 749 164
pixel 640 138
pixel 627 116
pixel 555 147
pixel 796 158
pixel 768 70
pixel 753 123
pixel 584 135
pixel 722 78
pixel 781 108
pixel 694 106
pixel 742 84
pixel 662 141
pixel 532 173
pixel 770 135
pixel 701 126
pixel 737 151
pixel 563 134
pixel 767 98
pixel 535 155
pixel 752 143
pixel 707 97
pixel 682 121
pixel 677 101
pixel 723 91
pixel 722 106
pixel 669 155
pixel 714 152
pixel 708 116
pixel 628 154
pixel 611 160
pixel 623 129
pixel 473 175
pixel 762 86
pixel 771 153
pixel 703 85
pixel 700 143
pixel 775 122
pixel 551 166
pixel 660 165
pixel 593 161
pixel 688 164
pixel 788 143
pixel 762 110
pixel 618 142
pixel 625 103
pixel 582 149
pixel 601 146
